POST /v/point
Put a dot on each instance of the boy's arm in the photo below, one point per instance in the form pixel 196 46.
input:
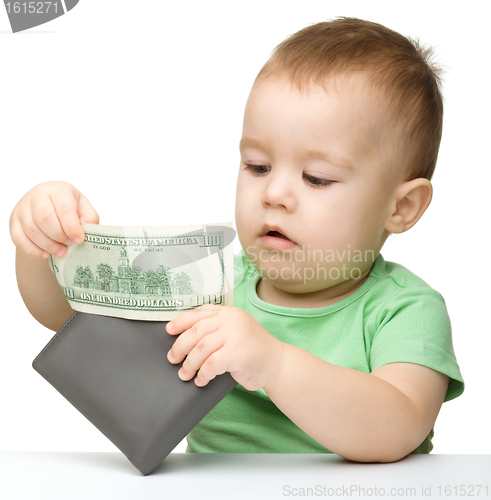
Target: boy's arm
pixel 41 292
pixel 44 221
pixel 377 417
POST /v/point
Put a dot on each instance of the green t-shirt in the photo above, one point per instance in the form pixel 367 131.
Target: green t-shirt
pixel 393 317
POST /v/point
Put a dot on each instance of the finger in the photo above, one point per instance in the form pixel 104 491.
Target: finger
pixel 38 237
pixel 45 218
pixel 23 243
pixel 187 319
pixel 190 338
pixel 66 206
pixel 86 211
pixel 213 366
pixel 198 356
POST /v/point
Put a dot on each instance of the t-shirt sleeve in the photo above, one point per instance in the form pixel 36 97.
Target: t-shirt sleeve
pixel 414 327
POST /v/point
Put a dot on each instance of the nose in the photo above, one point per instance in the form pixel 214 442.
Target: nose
pixel 280 192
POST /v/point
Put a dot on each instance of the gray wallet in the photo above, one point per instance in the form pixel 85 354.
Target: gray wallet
pixel 116 373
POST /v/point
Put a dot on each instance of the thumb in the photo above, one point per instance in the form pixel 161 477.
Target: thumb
pixel 86 211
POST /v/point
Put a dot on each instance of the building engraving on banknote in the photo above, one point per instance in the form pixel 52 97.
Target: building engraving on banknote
pixel 132 280
pixel 145 276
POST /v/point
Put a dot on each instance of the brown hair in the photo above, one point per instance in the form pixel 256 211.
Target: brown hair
pixel 392 62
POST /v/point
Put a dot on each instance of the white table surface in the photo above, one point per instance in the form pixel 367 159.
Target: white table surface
pixel 107 476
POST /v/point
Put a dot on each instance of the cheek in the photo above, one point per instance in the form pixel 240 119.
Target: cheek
pixel 335 223
pixel 367 216
pixel 327 211
pixel 240 194
pixel 243 208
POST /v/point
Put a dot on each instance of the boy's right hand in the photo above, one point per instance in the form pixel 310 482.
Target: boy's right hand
pixel 48 217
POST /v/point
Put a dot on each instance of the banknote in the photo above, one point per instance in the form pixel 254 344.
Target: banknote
pixel 148 273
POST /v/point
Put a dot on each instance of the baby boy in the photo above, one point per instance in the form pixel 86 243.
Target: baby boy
pixel 333 348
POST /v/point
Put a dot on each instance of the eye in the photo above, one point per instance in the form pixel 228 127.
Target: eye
pixel 317 182
pixel 256 169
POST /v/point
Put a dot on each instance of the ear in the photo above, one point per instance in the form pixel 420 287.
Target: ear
pixel 411 199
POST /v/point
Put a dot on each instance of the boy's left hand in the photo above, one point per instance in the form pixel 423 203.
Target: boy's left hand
pixel 219 339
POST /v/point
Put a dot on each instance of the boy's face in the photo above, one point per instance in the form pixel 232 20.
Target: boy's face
pixel 313 167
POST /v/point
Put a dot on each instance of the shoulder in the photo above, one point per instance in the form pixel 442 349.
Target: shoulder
pixel 411 324
pixel 405 300
pixel 399 276
pixel 395 287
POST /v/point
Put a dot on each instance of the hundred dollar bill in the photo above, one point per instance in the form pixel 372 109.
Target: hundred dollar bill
pixel 148 273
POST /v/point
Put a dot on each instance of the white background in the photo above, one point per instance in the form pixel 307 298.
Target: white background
pixel 139 104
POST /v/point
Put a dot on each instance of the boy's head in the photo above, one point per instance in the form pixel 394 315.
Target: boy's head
pixel 389 63
pixel 340 139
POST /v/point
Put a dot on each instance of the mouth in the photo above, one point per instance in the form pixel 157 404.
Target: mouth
pixel 277 234
pixel 274 237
